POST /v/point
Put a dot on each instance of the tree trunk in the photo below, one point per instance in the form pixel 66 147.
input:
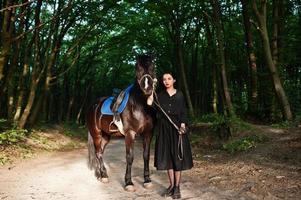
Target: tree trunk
pixel 58 38
pixel 36 74
pixel 21 89
pixel 27 110
pixel 12 105
pixel 274 45
pixel 261 19
pixel 183 75
pixel 177 39
pixel 79 114
pixel 43 97
pixel 5 48
pixel 70 106
pixel 251 57
pixel 6 35
pixel 11 83
pixel 24 61
pixel 221 52
pixel 194 69
pixel 209 59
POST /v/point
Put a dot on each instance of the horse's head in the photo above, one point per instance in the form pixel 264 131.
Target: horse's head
pixel 145 75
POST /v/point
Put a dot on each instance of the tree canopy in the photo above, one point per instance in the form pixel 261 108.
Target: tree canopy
pixel 235 58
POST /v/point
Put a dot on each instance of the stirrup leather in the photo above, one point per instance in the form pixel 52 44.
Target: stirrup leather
pixel 117 122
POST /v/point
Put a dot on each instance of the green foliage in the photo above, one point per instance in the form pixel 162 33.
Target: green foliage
pixel 196 139
pixel 73 130
pixel 218 121
pixel 3 124
pixel 239 125
pixel 212 118
pixel 284 124
pixel 107 34
pixel 12 136
pixel 244 144
pixel 4 160
pixel 288 124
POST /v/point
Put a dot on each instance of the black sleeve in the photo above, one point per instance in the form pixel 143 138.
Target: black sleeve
pixel 183 110
pixel 158 111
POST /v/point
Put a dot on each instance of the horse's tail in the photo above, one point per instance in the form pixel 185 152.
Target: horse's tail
pixel 92 160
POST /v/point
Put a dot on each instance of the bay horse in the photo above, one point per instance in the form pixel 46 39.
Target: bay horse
pixel 137 118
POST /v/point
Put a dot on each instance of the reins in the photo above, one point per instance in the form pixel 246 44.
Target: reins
pixel 180 141
pixel 157 103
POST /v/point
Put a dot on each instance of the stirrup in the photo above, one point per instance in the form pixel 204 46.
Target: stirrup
pixel 110 127
pixel 119 125
pixel 117 121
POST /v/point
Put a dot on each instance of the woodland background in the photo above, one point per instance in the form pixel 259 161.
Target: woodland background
pixel 232 58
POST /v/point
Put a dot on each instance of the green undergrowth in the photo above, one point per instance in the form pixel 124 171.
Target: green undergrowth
pixel 18 144
pixel 288 124
pixel 223 126
pixel 244 143
pixel 226 135
pixel 10 134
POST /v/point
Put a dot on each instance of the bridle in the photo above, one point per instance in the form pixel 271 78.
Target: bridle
pixel 153 79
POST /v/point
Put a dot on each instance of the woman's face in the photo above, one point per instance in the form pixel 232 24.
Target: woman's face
pixel 168 80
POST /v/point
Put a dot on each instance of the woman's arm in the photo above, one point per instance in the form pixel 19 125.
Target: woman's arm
pixel 183 112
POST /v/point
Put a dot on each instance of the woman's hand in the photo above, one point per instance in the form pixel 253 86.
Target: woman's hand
pixel 182 129
pixel 183 125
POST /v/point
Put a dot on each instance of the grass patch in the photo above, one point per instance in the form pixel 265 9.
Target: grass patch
pixel 245 143
pixel 195 138
pixel 18 144
pixel 75 131
pixel 220 122
pixel 12 136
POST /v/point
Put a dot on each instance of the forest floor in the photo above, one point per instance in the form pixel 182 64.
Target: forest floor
pixel 55 168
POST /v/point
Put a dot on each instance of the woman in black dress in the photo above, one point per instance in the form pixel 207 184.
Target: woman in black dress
pixel 168 155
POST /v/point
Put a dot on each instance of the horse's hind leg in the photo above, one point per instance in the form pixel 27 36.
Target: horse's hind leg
pixel 99 150
pixel 99 143
pixel 146 152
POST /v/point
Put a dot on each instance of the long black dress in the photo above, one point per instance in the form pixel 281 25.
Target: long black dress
pixel 166 147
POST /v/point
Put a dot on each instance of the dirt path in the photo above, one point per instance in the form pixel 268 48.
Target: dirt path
pixel 270 171
pixel 64 175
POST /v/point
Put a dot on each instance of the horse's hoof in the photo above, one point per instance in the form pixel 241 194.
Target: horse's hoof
pixel 104 180
pixel 130 188
pixel 148 185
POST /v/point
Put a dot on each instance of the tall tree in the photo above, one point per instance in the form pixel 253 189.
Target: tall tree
pixel 6 34
pixel 221 54
pixel 177 25
pixel 251 55
pixel 37 71
pixel 58 30
pixel 261 18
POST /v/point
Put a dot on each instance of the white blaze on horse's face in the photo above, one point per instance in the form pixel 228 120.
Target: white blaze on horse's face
pixel 146 83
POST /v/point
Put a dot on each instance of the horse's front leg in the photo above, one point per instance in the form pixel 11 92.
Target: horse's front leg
pixel 146 152
pixel 129 144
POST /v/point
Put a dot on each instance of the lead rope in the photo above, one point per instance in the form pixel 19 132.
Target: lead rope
pixel 180 141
